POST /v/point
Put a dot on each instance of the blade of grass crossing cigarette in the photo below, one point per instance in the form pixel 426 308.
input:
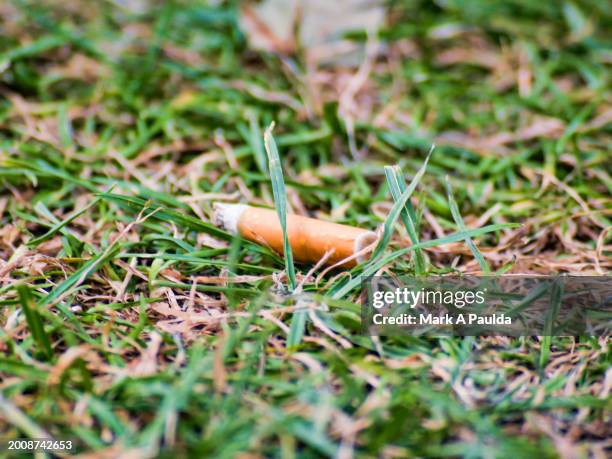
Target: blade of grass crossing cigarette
pixel 452 204
pixel 342 288
pixel 397 208
pixel 298 321
pixel 34 321
pixel 280 200
pixel 395 179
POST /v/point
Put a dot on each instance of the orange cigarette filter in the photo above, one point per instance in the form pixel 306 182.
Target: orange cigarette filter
pixel 310 239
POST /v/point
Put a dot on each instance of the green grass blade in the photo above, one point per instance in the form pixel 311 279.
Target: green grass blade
pixel 556 295
pixel 39 46
pixel 49 234
pixel 297 328
pixel 136 204
pixel 163 213
pixel 34 321
pixel 452 204
pixel 80 275
pixel 280 200
pixel 298 321
pixel 397 208
pixel 395 179
pixel 256 143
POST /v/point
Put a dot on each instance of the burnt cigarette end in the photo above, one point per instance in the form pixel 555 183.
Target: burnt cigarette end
pixel 226 216
pixel 364 245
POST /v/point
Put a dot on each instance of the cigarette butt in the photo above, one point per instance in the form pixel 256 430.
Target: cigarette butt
pixel 310 239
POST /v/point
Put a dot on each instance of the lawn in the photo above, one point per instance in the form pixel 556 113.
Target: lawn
pixel 134 326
